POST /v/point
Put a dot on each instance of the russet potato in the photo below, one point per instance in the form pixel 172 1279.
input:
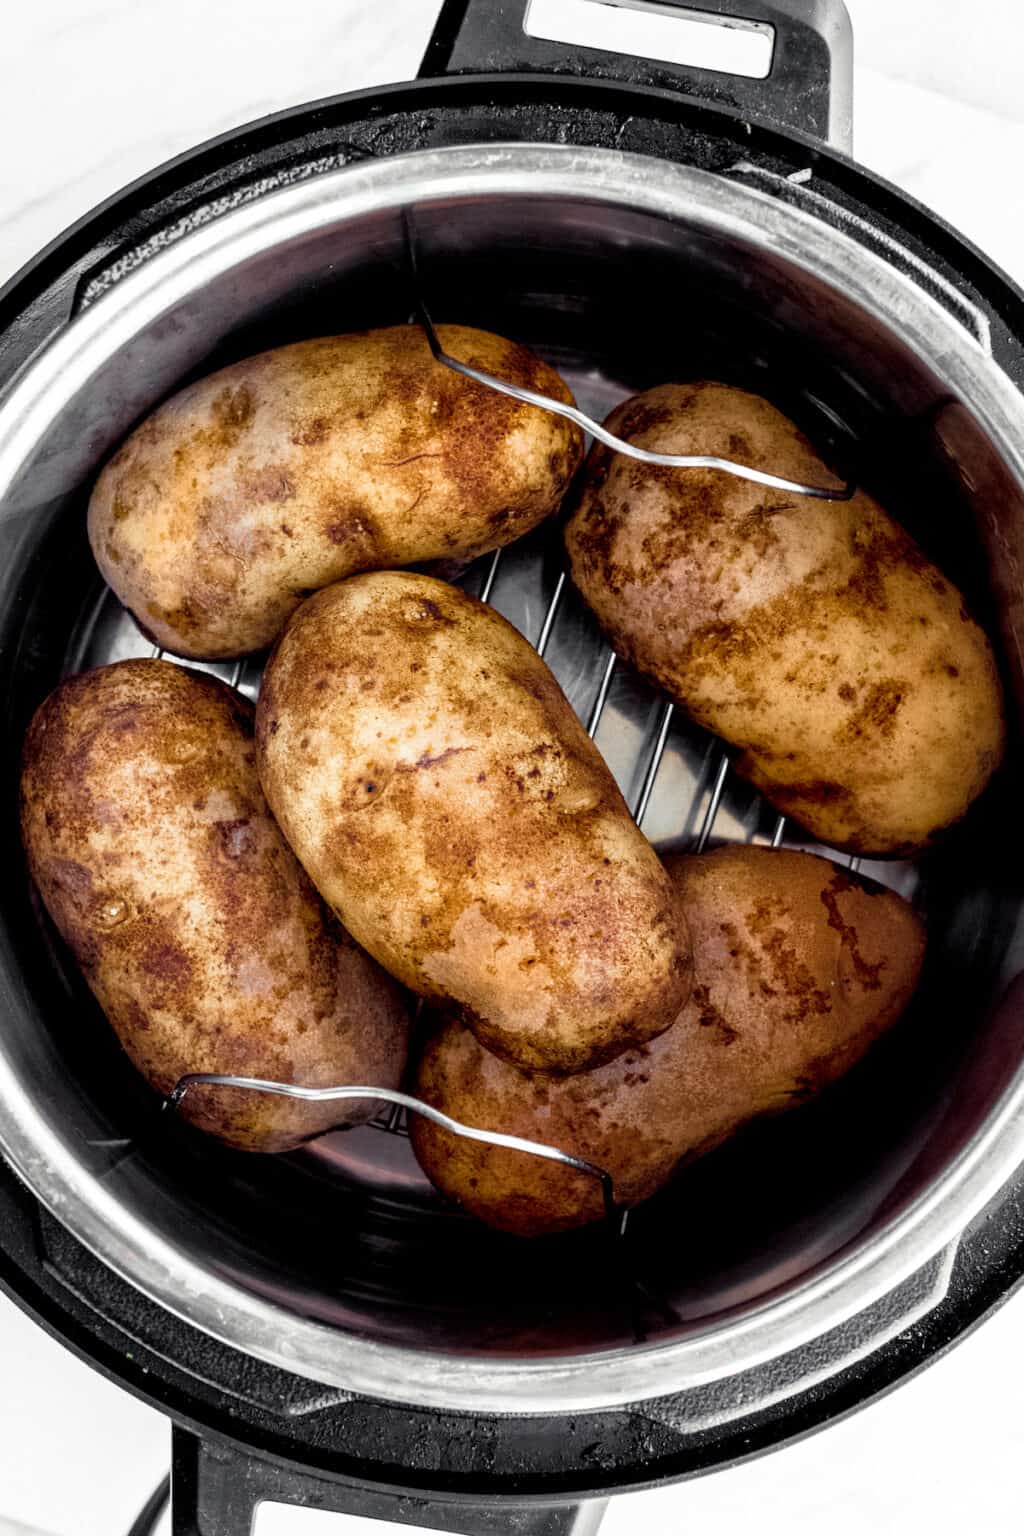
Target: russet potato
pixel 797 970
pixel 433 779
pixel 208 949
pixel 813 635
pixel 282 473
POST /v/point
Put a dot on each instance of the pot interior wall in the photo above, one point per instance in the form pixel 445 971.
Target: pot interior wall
pixel 347 1231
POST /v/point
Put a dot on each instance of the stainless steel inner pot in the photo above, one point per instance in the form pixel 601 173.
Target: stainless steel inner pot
pixel 339 1263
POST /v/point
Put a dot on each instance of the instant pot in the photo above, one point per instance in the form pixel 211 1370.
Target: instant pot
pixel 321 1328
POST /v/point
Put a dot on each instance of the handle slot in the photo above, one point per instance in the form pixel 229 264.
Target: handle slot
pixel 650 30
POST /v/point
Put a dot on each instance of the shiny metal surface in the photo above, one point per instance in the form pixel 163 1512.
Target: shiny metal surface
pixel 789 1233
pixel 404 1101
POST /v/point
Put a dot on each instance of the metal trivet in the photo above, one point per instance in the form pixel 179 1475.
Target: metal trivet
pixel 595 428
pixel 407 1102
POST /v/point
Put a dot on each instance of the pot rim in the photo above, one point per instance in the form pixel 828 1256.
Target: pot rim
pixel 163 1270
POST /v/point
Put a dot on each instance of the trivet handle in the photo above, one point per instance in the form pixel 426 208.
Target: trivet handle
pixel 216 1491
pixel 809 85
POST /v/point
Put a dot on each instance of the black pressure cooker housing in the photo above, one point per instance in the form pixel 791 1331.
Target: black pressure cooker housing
pixel 244 1429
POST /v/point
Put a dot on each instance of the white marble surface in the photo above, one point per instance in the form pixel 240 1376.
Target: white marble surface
pixel 94 92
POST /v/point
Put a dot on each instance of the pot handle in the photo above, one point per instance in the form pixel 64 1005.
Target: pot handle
pixel 216 1491
pixel 791 1375
pixel 809 84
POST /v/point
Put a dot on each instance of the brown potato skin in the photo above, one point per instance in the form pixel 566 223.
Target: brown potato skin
pixel 814 635
pixel 433 779
pixel 152 846
pixel 797 971
pixel 287 471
